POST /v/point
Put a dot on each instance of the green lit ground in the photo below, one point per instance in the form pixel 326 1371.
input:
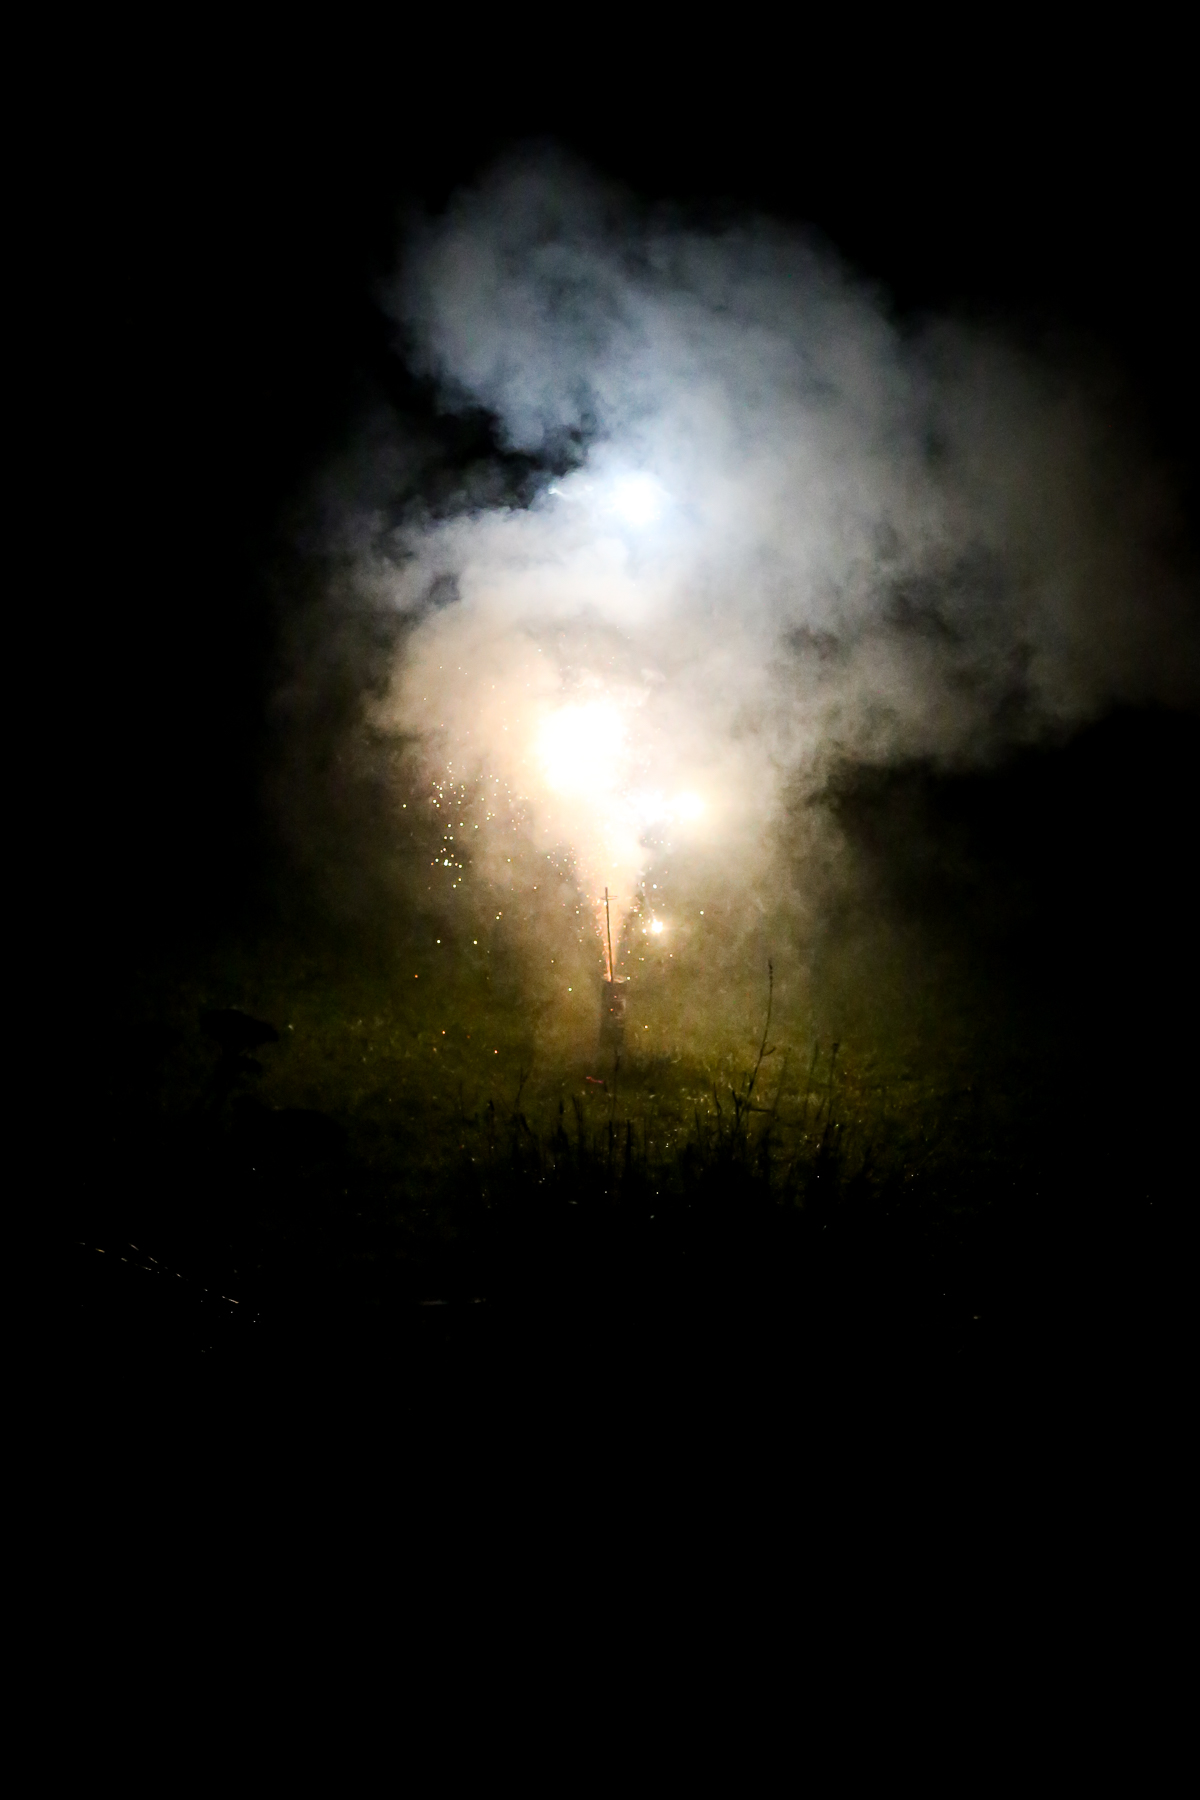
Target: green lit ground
pixel 410 1057
pixel 1000 1135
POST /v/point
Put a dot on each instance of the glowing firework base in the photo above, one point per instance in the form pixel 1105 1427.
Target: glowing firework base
pixel 612 1013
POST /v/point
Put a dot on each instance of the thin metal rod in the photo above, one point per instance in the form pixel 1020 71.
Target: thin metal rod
pixel 608 931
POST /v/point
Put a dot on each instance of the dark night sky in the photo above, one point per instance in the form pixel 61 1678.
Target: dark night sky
pixel 217 230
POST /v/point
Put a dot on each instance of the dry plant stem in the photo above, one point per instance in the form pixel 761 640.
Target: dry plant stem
pixel 832 1072
pixel 827 1106
pixel 812 1069
pixel 608 935
pixel 762 1048
pixel 744 1102
pixel 779 1090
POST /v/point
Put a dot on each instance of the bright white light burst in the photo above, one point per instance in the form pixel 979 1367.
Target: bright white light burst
pixel 579 747
pixel 638 498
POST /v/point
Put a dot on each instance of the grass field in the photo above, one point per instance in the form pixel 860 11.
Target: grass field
pixel 943 1135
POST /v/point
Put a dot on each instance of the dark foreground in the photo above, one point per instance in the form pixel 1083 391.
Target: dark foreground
pixel 562 1289
pixel 246 1271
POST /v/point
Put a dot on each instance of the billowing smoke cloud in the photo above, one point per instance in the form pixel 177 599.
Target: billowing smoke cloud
pixel 775 529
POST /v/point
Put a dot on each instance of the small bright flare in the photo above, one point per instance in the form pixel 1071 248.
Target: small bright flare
pixel 656 926
pixel 688 806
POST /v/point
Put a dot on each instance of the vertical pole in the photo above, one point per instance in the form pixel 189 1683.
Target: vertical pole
pixel 608 933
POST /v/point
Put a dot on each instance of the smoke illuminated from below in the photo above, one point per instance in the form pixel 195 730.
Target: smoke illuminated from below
pixel 770 535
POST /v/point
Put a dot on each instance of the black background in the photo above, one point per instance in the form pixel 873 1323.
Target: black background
pixel 209 222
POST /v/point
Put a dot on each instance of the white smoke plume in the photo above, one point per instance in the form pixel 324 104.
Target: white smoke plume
pixel 790 531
